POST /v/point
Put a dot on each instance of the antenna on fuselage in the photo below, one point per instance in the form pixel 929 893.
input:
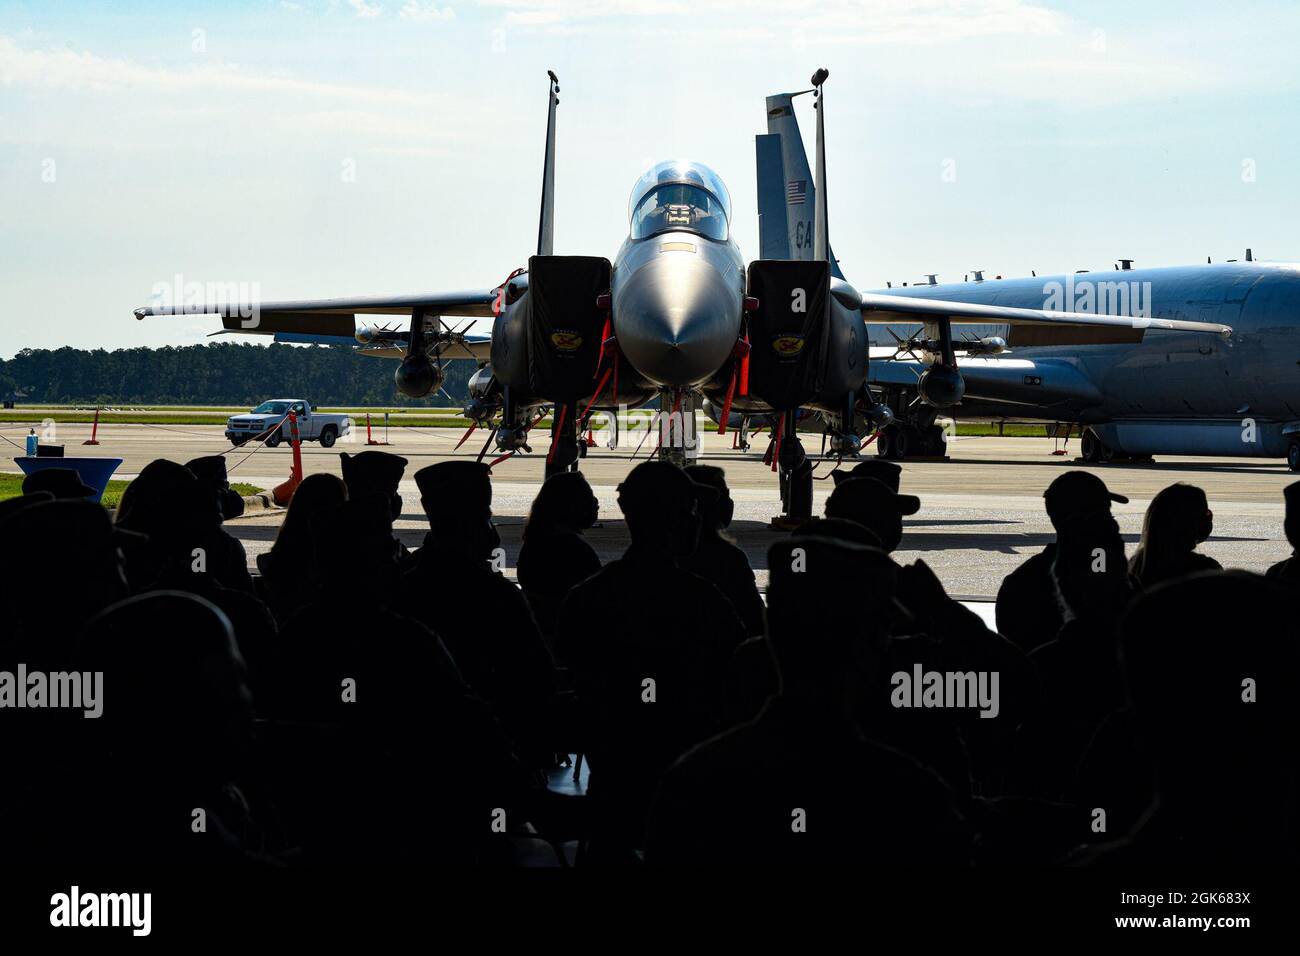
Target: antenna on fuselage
pixel 821 237
pixel 546 227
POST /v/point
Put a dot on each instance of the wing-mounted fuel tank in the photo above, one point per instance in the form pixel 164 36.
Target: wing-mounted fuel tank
pixel 549 340
pixel 806 347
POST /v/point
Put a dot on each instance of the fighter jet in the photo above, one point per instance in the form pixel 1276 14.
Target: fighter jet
pixel 1221 380
pixel 676 315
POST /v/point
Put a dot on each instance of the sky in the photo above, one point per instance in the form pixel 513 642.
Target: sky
pixel 310 148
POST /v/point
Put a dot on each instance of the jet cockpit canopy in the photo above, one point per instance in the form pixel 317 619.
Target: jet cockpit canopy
pixel 680 194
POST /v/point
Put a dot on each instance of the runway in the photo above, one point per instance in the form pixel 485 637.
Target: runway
pixel 981 511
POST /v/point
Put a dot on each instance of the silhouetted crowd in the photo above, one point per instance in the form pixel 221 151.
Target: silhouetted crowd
pixel 354 701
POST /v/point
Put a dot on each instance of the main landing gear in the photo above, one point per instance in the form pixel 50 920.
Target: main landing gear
pixel 905 440
pixel 1094 451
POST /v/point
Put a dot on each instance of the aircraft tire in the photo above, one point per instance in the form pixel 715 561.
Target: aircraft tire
pixel 887 443
pixel 1293 456
pixel 1090 447
pixel 904 442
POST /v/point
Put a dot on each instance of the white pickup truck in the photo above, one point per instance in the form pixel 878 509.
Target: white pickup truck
pixel 312 425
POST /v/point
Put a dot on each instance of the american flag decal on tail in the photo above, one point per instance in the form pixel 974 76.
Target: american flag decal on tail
pixel 796 192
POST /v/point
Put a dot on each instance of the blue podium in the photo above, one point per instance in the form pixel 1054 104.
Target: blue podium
pixel 93 471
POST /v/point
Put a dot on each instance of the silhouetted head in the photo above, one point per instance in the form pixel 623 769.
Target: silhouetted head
pixel 564 503
pixel 1178 519
pixel 717 516
pixel 354 540
pixel 1215 690
pixel 374 473
pixel 175 700
pixel 11 506
pixel 211 471
pixel 662 507
pixel 881 469
pixel 1292 524
pixel 1076 493
pixel 1089 571
pixel 146 502
pixel 457 498
pixel 316 493
pixel 817 588
pixel 874 506
pixel 60 564
pixel 60 482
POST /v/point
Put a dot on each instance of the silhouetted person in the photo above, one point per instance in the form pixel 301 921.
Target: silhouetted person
pixel 211 470
pixel 802 784
pixel 872 504
pixel 1028 613
pixel 881 469
pixel 1288 571
pixel 648 645
pixel 752 676
pixel 172 738
pixel 150 504
pixel 60 482
pixel 1177 520
pixel 289 576
pixel 1079 669
pixel 1215 714
pixel 358 684
pixel 455 588
pixel 554 555
pixel 186 550
pixel 61 565
pixel 717 557
pixel 376 473
pixel 937 632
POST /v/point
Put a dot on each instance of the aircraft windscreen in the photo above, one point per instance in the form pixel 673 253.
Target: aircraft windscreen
pixel 680 194
pixel 679 206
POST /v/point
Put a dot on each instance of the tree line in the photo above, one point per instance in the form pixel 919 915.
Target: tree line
pixel 217 373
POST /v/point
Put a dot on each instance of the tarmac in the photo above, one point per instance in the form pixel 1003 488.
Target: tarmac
pixel 981 510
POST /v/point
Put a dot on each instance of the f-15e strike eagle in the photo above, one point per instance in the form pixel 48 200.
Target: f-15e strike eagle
pixel 677 315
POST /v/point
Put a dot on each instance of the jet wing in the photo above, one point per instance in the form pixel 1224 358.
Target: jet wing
pixel 328 317
pixel 877 308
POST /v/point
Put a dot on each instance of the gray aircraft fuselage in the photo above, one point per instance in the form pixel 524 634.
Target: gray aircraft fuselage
pixel 678 301
pixel 1134 391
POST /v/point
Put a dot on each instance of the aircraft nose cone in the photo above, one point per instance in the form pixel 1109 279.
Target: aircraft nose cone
pixel 676 319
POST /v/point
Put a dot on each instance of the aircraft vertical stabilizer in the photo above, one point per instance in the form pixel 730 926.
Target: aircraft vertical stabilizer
pixel 800 191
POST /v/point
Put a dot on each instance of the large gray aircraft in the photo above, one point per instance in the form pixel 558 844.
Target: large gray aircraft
pixel 1132 391
pixel 677 316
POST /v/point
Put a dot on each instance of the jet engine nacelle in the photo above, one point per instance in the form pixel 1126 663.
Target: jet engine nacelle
pixel 941 386
pixel 417 376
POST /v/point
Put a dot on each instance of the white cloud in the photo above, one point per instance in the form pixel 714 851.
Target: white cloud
pixel 366 11
pixel 841 21
pixel 69 70
pixel 425 12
